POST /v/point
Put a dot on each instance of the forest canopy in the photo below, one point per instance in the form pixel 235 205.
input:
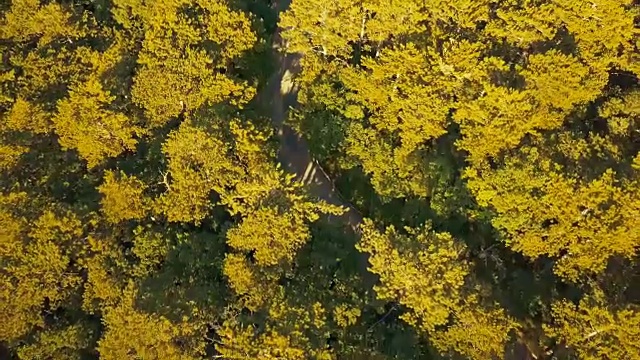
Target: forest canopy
pixel 483 159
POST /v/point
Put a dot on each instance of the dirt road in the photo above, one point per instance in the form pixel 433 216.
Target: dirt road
pixel 294 153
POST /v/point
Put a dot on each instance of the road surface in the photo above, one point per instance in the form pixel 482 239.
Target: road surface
pixel 294 155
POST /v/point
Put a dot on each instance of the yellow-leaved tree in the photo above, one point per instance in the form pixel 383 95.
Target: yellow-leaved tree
pixel 187 54
pixel 37 263
pixel 278 226
pixel 200 162
pixel 421 270
pixel 29 20
pixel 123 197
pixel 596 329
pixel 130 332
pixel 569 197
pixel 479 331
pixel 84 122
pixel 276 213
pixel 425 271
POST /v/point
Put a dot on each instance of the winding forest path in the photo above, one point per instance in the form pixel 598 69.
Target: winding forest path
pixel 277 97
pixel 280 94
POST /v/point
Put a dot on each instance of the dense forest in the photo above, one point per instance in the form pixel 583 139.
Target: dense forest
pixel 482 159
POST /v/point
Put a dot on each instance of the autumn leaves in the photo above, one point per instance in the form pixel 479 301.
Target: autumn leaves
pixel 521 93
pixel 143 213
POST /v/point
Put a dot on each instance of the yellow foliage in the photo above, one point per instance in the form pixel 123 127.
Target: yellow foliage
pixel 622 114
pixel 16 316
pixel 63 229
pixel 151 249
pixel 229 29
pixel 420 270
pixel 10 155
pixel 335 23
pixel 384 19
pixel 251 285
pixel 104 263
pixel 240 342
pixel 274 234
pixel 551 201
pixel 122 197
pixel 130 13
pixel 250 145
pixel 561 82
pixel 527 94
pixel 277 225
pixel 165 87
pixel 133 333
pixel 25 116
pixel 199 163
pixel 47 70
pixel 524 25
pixel 498 121
pixel 294 330
pixel 595 329
pixel 65 344
pixel 34 270
pixel 542 210
pixel 345 315
pixel 600 27
pixel 395 77
pixel 6 81
pixel 84 123
pixel 391 91
pixel 29 19
pixel 175 71
pixel 477 333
